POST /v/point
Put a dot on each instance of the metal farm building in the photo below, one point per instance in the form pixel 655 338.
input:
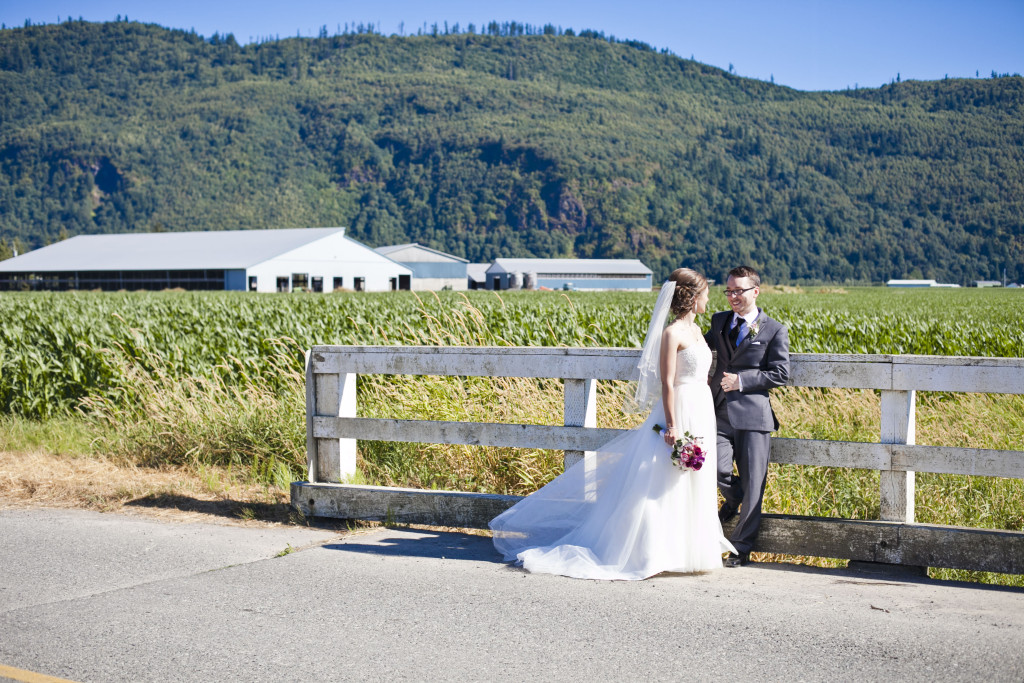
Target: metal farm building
pixel 431 269
pixel 581 274
pixel 300 259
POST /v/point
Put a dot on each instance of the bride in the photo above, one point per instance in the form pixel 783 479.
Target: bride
pixel 626 512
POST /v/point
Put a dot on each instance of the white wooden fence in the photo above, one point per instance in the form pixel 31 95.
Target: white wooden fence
pixel 333 430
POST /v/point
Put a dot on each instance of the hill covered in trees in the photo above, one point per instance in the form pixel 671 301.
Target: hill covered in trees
pixel 511 142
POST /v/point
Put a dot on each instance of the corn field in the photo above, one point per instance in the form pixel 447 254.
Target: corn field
pixel 59 348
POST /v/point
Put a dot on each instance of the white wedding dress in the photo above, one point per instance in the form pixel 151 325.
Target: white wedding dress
pixel 625 512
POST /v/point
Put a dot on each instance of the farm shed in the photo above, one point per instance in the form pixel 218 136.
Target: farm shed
pixel 314 259
pixel 589 274
pixel 476 275
pixel 431 269
pixel 911 283
pixel 917 283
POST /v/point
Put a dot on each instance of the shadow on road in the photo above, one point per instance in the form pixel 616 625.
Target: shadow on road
pixel 448 545
pixel 222 507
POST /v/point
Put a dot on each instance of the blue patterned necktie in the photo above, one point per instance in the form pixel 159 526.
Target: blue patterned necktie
pixel 734 333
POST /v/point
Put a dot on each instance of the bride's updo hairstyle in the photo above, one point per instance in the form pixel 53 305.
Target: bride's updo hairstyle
pixel 689 283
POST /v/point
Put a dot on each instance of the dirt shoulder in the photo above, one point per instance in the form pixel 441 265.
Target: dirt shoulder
pixel 36 479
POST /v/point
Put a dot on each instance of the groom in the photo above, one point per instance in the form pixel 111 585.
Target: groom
pixel 753 357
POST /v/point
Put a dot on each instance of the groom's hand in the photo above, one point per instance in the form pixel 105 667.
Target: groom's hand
pixel 730 382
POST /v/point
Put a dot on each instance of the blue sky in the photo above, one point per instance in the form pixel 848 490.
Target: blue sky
pixel 823 45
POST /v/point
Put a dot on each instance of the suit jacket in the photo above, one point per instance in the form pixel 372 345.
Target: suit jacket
pixel 762 363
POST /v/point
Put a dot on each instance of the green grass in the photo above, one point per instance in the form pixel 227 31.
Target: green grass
pixel 66 434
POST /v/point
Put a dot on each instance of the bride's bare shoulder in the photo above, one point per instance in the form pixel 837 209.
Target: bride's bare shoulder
pixel 681 334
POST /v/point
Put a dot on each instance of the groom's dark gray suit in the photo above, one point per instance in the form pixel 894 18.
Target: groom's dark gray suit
pixel 745 417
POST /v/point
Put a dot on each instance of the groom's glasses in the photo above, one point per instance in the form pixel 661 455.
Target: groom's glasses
pixel 738 292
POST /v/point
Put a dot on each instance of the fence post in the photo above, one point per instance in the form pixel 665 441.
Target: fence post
pixel 335 396
pixel 898 426
pixel 580 411
pixel 311 459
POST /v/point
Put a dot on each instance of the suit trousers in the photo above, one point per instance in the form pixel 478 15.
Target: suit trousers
pixel 750 450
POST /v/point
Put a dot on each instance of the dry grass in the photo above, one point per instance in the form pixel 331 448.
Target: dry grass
pixel 466 399
pixel 781 289
pixel 31 479
pixel 255 432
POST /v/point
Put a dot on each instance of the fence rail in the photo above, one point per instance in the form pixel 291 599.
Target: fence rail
pixel 333 430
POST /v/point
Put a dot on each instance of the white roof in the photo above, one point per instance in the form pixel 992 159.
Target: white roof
pixel 224 249
pixel 596 266
pixel 395 252
pixel 477 271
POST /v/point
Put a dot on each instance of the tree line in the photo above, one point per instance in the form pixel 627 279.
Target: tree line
pixel 512 141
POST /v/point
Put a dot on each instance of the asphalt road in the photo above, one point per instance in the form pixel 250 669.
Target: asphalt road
pixel 105 597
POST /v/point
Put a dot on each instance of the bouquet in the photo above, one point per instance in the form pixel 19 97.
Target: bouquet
pixel 686 453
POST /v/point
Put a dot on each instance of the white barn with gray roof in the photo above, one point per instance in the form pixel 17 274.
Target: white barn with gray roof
pixel 431 269
pixel 581 274
pixel 312 259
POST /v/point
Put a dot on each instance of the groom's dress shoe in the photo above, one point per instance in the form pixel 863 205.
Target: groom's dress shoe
pixel 726 512
pixel 735 560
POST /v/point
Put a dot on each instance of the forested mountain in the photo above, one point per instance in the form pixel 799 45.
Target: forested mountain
pixel 510 142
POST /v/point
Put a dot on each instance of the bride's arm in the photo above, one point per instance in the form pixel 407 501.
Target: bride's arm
pixel 670 341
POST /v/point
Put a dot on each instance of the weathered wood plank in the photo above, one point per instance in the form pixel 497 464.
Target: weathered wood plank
pixel 347 448
pixel 328 451
pixel 821 453
pixel 575 363
pixel 826 537
pixel 335 395
pixel 579 410
pixel 311 450
pixel 548 437
pixel 899 457
pixel 949 460
pixel 868 456
pixel 861 540
pixel 402 506
pixel 898 426
pixel 968 375
pixel 918 545
pixel 960 361
pixel 985 550
pixel 865 371
pixel 884 358
pixel 845 375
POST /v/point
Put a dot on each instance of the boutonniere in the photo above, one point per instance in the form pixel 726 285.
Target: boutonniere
pixel 755 327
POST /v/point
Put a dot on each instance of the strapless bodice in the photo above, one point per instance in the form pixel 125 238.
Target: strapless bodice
pixel 693 363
